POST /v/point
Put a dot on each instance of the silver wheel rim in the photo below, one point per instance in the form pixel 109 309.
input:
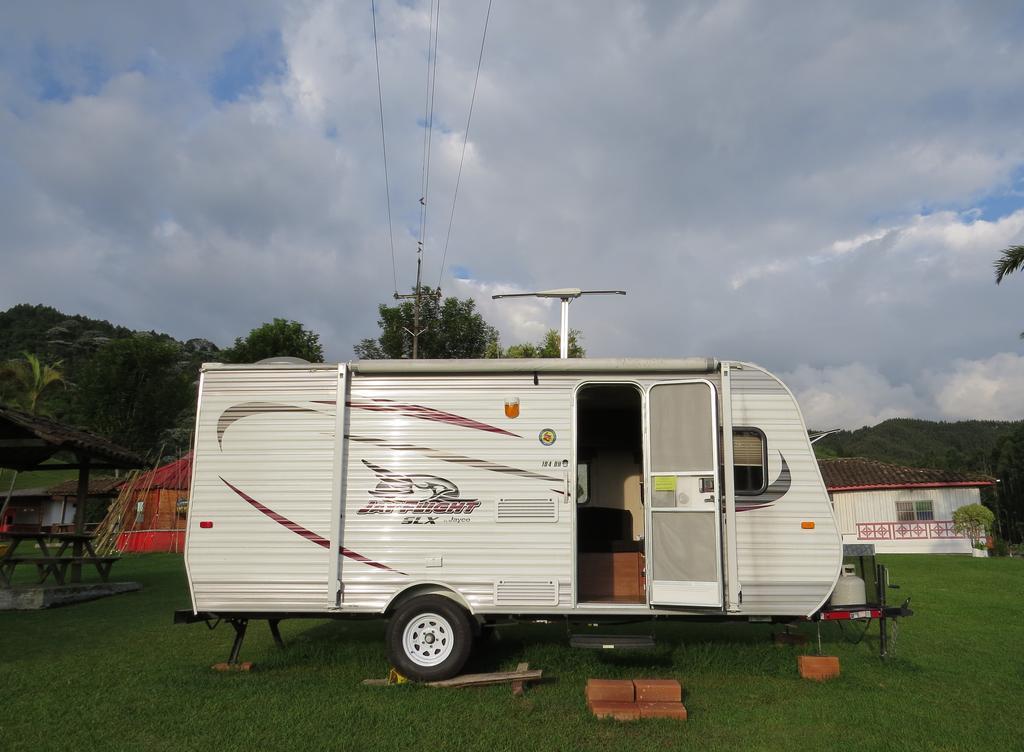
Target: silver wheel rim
pixel 428 639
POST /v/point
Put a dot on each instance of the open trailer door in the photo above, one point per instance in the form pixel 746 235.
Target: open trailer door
pixel 684 544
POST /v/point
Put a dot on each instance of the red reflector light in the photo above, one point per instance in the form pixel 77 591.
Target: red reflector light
pixel 206 524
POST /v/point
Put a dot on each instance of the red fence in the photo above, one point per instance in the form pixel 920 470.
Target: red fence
pixel 912 530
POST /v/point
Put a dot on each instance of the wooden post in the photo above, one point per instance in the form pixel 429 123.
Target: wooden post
pixel 83 493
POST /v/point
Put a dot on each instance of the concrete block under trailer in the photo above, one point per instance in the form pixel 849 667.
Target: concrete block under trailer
pixel 448 495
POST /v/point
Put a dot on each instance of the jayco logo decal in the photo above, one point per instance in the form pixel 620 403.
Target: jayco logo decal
pixel 425 496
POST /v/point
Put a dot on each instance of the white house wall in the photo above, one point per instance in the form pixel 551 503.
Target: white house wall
pixel 852 507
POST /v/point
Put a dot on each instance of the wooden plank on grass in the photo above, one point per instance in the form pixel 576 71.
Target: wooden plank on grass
pixel 480 680
pixel 520 675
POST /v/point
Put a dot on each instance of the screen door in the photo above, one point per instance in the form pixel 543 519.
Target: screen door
pixel 684 543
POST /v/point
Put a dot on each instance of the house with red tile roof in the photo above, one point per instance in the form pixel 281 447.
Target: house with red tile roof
pixel 900 509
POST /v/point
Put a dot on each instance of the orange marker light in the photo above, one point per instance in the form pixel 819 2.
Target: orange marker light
pixel 807 525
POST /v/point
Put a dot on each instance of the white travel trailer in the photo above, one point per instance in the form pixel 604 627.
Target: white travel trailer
pixel 449 495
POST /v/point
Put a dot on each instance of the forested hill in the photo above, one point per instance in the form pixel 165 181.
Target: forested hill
pixel 44 331
pixel 967 445
pixel 134 387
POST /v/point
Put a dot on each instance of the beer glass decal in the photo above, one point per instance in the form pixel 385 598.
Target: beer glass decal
pixel 512 407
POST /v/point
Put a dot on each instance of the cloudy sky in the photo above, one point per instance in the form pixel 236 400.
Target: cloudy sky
pixel 818 188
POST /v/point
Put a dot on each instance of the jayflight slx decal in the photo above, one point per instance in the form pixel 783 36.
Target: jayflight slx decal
pixel 417 494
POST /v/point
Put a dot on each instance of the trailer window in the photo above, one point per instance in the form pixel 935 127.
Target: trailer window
pixel 910 511
pixel 749 459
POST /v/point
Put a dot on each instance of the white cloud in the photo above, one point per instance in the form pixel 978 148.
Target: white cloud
pixel 757 178
pixel 840 247
pixel 991 389
pixel 518 319
pixel 855 395
pixel 850 396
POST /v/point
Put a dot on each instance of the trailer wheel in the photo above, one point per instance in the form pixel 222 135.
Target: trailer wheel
pixel 429 638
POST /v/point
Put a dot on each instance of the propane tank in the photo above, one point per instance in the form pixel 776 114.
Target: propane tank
pixel 850 588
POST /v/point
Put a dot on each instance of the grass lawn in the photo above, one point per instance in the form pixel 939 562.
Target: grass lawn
pixel 116 674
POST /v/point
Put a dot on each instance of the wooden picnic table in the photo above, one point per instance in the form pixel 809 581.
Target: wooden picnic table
pixel 52 561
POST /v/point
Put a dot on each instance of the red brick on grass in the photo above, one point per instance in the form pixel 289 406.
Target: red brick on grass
pixel 658 690
pixel 662 710
pixel 243 666
pixel 620 711
pixel 818 667
pixel 609 690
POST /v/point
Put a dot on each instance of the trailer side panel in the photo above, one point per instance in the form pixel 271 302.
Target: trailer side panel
pixel 260 517
pixel 443 486
pixel 785 565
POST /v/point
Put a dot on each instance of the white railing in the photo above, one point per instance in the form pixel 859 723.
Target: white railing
pixel 910 530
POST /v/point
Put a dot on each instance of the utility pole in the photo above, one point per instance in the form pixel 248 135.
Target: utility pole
pixel 418 298
pixel 566 295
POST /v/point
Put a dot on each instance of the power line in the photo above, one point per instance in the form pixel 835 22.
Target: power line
pixel 433 28
pixel 465 140
pixel 384 147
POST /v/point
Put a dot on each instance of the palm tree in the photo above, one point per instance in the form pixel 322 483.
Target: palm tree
pixel 31 378
pixel 1011 260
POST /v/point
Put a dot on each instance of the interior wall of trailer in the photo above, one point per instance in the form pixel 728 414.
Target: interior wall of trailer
pixel 610 522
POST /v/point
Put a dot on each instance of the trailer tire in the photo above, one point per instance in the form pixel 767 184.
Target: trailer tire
pixel 429 638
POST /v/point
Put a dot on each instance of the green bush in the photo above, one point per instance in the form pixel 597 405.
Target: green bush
pixel 974 521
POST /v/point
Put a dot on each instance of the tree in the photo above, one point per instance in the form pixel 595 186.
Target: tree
pixel 974 521
pixel 27 380
pixel 549 347
pixel 133 389
pixel 1009 501
pixel 280 338
pixel 450 329
pixel 1011 261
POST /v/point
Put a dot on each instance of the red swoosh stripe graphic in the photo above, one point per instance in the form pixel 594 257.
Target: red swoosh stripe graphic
pixel 429 413
pixel 307 534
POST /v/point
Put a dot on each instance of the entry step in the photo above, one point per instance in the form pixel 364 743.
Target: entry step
pixel 611 642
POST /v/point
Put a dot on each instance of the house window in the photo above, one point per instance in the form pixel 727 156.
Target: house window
pixel 749 460
pixel 909 511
